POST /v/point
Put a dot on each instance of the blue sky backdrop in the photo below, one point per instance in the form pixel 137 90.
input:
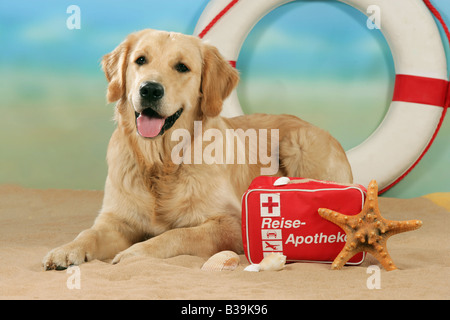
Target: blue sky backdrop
pixel 314 59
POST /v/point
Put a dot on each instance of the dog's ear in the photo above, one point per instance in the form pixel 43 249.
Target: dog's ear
pixel 114 65
pixel 219 78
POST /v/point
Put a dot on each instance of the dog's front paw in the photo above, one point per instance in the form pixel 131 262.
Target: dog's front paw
pixel 65 256
pixel 135 250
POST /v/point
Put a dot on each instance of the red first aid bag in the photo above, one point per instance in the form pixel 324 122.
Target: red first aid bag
pixel 280 215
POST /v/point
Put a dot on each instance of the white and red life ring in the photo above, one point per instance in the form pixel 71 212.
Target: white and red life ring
pixel 420 94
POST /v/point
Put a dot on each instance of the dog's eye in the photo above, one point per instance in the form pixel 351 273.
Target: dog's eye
pixel 141 60
pixel 181 67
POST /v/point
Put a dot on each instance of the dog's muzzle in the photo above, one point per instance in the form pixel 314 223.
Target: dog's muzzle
pixel 151 92
pixel 150 124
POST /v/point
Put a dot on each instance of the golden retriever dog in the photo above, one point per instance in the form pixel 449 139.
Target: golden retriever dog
pixel 172 85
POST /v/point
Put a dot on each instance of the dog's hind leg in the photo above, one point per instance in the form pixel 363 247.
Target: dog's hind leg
pixel 310 152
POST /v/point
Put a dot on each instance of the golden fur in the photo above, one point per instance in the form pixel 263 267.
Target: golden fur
pixel 155 207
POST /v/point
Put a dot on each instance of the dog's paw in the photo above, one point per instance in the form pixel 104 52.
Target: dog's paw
pixel 65 256
pixel 138 249
pixel 125 255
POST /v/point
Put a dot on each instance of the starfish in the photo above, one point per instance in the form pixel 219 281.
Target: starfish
pixel 367 231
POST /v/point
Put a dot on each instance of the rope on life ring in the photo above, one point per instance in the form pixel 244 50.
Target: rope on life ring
pixel 421 92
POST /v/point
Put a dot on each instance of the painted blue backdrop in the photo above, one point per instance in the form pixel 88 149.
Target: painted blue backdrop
pixel 315 59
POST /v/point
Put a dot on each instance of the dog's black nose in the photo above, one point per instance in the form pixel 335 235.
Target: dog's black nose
pixel 151 91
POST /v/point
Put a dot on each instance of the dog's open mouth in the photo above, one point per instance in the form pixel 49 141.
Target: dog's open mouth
pixel 150 124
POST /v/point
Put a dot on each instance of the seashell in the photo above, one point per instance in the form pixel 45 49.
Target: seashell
pixel 224 260
pixel 273 262
pixel 252 268
pixel 281 181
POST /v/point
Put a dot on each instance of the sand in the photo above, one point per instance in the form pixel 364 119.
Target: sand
pixel 34 221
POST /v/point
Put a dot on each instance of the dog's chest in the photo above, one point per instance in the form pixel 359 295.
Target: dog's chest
pixel 187 200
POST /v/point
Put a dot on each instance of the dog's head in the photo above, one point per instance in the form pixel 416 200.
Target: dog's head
pixel 166 76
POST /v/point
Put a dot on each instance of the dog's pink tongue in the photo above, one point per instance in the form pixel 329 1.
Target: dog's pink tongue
pixel 149 127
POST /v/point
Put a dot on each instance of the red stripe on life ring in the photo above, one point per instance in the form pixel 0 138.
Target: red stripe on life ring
pixel 441 120
pixel 217 18
pixel 420 90
pixel 446 104
pixel 232 63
